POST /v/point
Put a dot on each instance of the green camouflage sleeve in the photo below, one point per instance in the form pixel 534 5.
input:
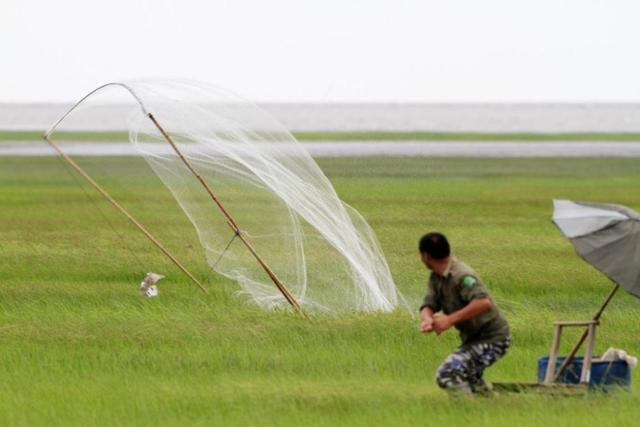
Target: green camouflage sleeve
pixel 431 299
pixel 472 288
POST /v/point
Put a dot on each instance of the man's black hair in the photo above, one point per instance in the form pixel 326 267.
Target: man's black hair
pixel 435 244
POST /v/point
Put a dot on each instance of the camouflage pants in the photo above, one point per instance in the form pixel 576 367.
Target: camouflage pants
pixel 463 369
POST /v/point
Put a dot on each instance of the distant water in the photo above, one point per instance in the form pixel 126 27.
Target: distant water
pixel 392 117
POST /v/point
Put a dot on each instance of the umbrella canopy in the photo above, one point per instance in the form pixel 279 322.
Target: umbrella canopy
pixel 606 236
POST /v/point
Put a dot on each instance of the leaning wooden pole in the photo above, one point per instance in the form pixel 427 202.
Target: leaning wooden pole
pixel 135 222
pixel 232 223
pixel 580 341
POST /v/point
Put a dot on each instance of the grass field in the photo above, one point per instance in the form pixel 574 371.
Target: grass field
pixel 21 135
pixel 78 346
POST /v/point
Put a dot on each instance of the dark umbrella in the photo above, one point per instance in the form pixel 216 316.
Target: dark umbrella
pixel 607 237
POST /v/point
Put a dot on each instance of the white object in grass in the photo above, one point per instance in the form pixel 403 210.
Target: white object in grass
pixel 148 286
pixel 616 354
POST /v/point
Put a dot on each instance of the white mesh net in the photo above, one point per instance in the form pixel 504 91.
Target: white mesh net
pixel 321 249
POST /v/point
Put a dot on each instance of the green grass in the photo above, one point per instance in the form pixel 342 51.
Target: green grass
pixel 464 136
pixel 6 135
pixel 80 347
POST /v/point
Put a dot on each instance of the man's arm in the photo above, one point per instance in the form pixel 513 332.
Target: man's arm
pixel 475 308
pixel 430 305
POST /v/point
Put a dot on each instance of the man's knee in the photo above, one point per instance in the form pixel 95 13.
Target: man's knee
pixel 452 374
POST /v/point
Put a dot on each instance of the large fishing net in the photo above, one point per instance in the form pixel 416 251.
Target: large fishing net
pixel 284 210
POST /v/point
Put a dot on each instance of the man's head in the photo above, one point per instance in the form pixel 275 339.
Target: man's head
pixel 434 250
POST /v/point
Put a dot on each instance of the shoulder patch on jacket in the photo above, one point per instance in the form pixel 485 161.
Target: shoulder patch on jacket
pixel 469 281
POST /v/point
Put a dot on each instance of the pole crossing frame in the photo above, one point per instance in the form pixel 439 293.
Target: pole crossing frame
pixel 230 220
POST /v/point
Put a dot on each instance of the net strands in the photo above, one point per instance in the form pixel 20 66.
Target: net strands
pixel 269 192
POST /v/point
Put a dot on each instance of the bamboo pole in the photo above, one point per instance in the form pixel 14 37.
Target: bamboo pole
pixel 135 222
pixel 580 341
pixel 230 220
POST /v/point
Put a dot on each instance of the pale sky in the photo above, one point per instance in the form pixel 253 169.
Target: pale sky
pixel 328 50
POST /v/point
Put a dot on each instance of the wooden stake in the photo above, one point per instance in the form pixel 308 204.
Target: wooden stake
pixel 135 222
pixel 553 353
pixel 232 223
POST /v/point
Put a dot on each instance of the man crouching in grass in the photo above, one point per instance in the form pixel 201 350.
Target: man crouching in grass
pixel 457 290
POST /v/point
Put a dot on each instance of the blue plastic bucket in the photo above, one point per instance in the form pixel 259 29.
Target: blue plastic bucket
pixel 603 374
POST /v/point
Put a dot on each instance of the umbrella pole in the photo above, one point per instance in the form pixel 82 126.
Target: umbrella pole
pixel 576 347
pixel 231 221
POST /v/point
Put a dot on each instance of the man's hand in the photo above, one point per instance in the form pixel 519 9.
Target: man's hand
pixel 441 323
pixel 427 320
pixel 426 325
